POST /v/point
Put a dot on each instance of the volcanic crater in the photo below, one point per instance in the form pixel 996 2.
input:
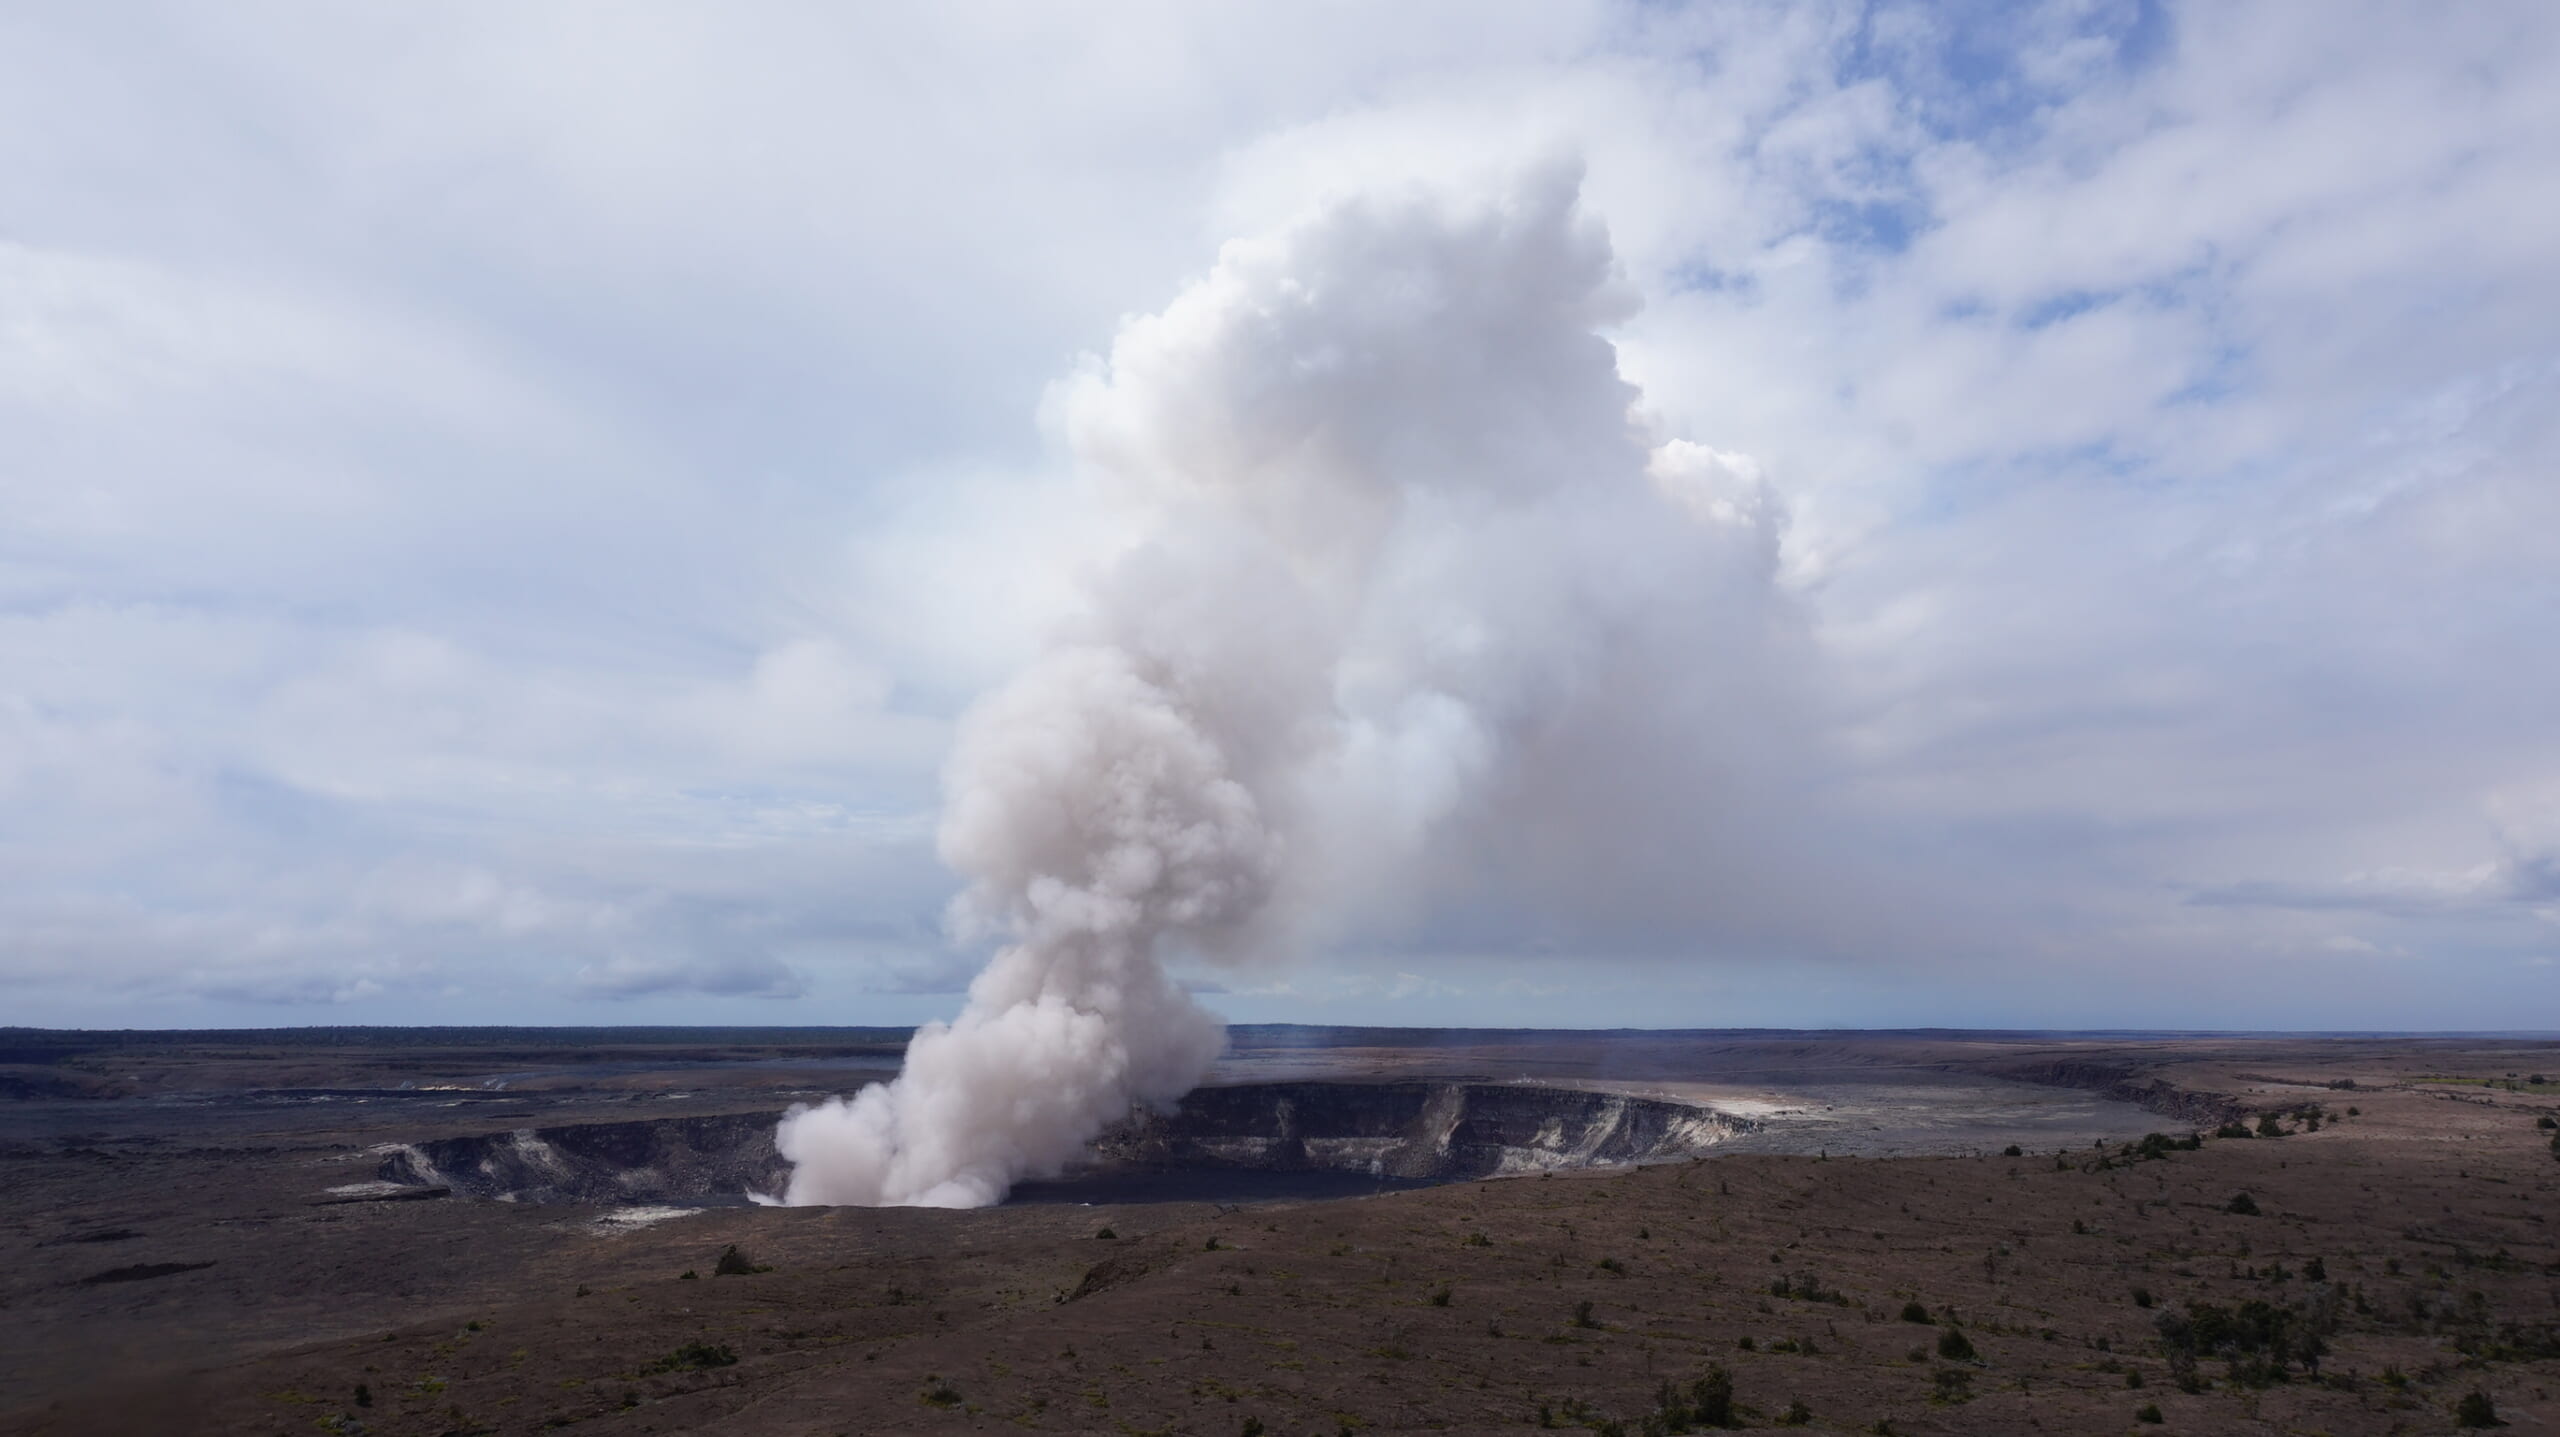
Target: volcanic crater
pixel 1233 1143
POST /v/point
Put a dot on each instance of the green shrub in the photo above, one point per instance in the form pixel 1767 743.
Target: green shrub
pixel 1106 1234
pixel 2260 1340
pixel 1705 1402
pixel 734 1263
pixel 2268 1127
pixel 2476 1410
pixel 2242 1204
pixel 1914 1312
pixel 1954 1346
pixel 1950 1385
pixel 2149 1412
pixel 1805 1287
pixel 1582 1314
pixel 2142 1297
pixel 1796 1415
pixel 1712 1397
pixel 692 1357
pixel 2012 1151
pixel 2232 1130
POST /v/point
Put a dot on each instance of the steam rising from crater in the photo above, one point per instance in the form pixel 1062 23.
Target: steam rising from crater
pixel 1403 556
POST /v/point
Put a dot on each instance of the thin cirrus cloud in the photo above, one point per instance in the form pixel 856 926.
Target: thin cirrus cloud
pixel 502 514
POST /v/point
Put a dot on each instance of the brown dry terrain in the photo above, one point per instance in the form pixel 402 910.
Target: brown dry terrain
pixel 174 1268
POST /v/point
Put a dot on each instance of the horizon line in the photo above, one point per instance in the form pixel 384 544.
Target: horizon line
pixel 708 1028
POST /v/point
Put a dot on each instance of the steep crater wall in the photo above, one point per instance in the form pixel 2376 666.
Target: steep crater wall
pixel 1414 1131
pixel 1410 1130
pixel 2125 1085
pixel 683 1160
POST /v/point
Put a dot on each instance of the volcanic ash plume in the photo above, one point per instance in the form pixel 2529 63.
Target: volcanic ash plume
pixel 1093 808
pixel 1392 523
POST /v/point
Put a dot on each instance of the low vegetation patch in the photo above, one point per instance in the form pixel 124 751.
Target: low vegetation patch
pixel 1706 1402
pixel 1805 1287
pixel 692 1357
pixel 2261 1341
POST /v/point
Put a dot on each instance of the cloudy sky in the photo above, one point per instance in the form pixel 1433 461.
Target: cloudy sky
pixel 503 508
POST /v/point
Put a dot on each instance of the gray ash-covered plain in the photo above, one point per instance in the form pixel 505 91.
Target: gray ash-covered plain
pixel 441 1231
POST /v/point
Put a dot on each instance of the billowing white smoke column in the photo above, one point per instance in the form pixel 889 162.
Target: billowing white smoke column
pixel 1099 819
pixel 1397 525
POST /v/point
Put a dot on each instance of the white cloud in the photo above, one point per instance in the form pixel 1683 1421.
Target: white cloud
pixel 486 498
pixel 729 976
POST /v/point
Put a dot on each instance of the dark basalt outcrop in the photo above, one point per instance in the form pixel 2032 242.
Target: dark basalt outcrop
pixel 142 1272
pixel 1409 1130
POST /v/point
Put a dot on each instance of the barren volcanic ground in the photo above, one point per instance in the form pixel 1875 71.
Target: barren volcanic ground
pixel 520 1231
